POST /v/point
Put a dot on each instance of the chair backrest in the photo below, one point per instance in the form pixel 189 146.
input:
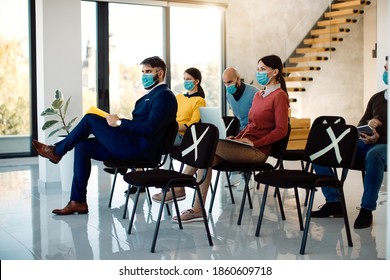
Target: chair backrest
pixel 232 125
pixel 331 145
pixel 169 138
pixel 198 146
pixel 279 147
pixel 328 120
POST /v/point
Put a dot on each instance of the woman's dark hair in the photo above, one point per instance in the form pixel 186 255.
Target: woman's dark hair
pixel 195 73
pixel 274 62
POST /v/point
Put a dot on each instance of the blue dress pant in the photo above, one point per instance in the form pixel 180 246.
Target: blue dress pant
pixel 375 160
pixel 108 143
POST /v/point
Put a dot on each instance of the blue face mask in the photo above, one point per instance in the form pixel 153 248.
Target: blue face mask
pixel 231 89
pixel 189 85
pixel 262 78
pixel 148 80
pixel 385 77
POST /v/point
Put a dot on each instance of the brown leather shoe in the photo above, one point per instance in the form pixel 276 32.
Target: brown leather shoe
pixel 46 151
pixel 72 207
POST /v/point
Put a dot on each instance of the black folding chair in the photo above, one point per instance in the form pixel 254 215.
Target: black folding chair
pixel 197 150
pixel 132 165
pixel 278 149
pixel 329 145
pixel 296 155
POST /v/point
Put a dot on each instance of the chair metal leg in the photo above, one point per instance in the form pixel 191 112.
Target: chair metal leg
pixel 345 214
pixel 247 178
pixel 261 214
pixel 113 187
pixel 307 223
pixel 176 208
pixel 298 208
pixel 306 197
pixel 157 228
pixel 246 192
pixel 230 189
pixel 214 193
pixel 206 225
pixel 277 192
pixel 148 196
pixel 127 201
pixel 133 211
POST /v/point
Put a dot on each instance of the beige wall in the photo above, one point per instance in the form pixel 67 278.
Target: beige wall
pixel 256 28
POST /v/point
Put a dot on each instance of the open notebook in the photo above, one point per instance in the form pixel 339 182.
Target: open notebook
pixel 213 115
pixel 97 111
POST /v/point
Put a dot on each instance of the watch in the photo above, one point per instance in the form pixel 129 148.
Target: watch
pixel 118 122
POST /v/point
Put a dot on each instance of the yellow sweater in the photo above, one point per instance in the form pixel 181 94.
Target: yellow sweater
pixel 188 109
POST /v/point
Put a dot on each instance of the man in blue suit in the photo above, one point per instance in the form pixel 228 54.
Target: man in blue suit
pixel 117 138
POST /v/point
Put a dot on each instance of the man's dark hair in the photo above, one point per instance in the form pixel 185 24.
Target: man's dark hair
pixel 155 62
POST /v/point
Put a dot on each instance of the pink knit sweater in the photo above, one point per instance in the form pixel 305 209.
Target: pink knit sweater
pixel 268 120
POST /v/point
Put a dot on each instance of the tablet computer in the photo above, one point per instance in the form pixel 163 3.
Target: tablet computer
pixel 365 129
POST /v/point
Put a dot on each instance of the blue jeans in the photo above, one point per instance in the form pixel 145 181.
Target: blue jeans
pixel 375 160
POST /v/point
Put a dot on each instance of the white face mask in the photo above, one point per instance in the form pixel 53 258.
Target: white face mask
pixel 386 95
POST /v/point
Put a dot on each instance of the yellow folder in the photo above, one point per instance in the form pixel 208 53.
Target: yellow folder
pixel 97 111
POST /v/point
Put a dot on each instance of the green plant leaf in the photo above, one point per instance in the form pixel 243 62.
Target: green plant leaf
pixel 54 131
pixel 49 112
pixel 66 106
pixel 57 103
pixel 49 124
pixel 58 95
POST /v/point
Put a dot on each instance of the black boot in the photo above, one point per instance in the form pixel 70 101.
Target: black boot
pixel 364 219
pixel 329 209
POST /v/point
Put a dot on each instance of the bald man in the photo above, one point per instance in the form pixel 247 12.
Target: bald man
pixel 239 95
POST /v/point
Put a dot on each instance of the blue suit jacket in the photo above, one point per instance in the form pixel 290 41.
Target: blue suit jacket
pixel 152 114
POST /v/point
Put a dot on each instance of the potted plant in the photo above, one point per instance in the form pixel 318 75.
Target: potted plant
pixel 59 109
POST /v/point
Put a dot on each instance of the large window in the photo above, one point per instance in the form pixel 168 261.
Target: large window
pixel 88 57
pixel 196 41
pixel 15 121
pixel 136 32
pixel 189 36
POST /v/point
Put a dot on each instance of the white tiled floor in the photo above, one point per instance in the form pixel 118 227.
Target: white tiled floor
pixel 29 231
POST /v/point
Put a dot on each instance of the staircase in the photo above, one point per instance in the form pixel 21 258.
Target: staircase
pixel 320 42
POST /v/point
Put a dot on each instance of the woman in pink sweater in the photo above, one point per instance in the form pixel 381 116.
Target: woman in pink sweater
pixel 267 123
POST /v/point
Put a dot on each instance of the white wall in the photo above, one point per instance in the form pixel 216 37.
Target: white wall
pixel 58 66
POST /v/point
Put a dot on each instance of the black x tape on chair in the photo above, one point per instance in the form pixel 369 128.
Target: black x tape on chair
pixel 278 148
pixel 296 155
pixel 197 150
pixel 167 147
pixel 328 145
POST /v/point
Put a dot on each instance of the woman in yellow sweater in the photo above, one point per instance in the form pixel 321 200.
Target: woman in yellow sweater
pixel 189 103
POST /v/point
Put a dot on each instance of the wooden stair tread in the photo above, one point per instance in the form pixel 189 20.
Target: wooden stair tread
pixel 296 89
pixel 301 69
pixel 327 31
pixel 337 21
pixel 312 41
pixel 314 50
pixel 349 4
pixel 307 59
pixel 344 12
pixel 298 79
